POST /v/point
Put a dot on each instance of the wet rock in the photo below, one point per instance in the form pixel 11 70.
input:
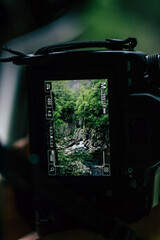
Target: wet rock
pixel 68 151
pixel 78 134
pixel 80 169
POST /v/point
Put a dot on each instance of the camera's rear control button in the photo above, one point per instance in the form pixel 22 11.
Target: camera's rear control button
pixel 133 183
pixel 130 82
pixel 128 66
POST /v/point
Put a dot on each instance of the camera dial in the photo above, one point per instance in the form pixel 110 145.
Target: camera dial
pixel 153 68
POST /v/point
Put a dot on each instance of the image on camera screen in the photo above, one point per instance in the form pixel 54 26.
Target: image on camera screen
pixel 77 127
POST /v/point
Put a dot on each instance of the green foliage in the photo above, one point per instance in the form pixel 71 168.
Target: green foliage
pixel 121 19
pixel 78 105
pixel 66 162
pixel 89 106
pixel 69 163
pixel 83 104
pixel 64 102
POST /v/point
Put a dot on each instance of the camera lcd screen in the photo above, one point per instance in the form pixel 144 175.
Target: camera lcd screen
pixel 77 127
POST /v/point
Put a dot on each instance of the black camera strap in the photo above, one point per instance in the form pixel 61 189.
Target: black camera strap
pixel 110 44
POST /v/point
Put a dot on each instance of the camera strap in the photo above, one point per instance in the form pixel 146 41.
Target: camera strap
pixel 110 44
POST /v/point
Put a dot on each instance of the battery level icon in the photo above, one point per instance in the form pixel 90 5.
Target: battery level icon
pixel 51 157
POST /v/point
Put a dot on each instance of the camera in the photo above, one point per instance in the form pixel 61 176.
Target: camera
pixel 94 125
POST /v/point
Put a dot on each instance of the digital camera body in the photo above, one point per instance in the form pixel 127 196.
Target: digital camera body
pixel 94 125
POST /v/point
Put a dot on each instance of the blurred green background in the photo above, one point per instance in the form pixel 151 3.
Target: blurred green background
pixel 101 19
pixel 122 19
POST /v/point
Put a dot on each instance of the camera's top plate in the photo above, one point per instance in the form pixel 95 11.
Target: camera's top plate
pixel 42 58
